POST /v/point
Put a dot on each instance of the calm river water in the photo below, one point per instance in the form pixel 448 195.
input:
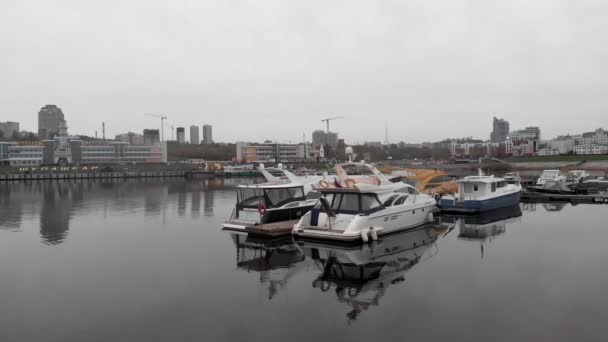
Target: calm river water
pixel 146 260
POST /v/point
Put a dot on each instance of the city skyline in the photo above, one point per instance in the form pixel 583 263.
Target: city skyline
pixel 432 71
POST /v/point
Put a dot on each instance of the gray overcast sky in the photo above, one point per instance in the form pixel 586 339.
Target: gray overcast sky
pixel 260 70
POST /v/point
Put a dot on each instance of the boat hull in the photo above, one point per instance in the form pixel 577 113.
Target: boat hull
pixel 478 206
pixel 381 223
pixel 271 216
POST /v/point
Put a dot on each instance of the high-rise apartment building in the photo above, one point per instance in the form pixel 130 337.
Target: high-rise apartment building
pixel 181 135
pixel 500 130
pixel 207 134
pixel 50 121
pixel 194 135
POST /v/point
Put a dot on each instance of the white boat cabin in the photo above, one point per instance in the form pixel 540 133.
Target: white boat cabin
pixel 480 187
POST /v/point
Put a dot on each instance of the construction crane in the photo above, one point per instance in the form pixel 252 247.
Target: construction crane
pixel 162 125
pixel 327 120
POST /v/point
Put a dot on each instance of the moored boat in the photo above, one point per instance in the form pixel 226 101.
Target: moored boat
pixel 481 193
pixel 364 207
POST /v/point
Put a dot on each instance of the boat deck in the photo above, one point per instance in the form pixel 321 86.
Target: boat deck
pixel 272 229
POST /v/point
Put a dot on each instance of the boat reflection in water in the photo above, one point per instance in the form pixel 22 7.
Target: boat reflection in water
pixel 275 260
pixel 360 275
pixel 483 227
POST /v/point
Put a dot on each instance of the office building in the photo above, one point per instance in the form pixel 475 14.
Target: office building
pixel 246 152
pixel 151 137
pixel 207 134
pixel 9 129
pixel 528 133
pixel 181 135
pixel 194 135
pixel 500 130
pixel 50 121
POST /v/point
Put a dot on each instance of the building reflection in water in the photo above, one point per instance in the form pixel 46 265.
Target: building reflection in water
pixel 56 208
pixel 195 201
pixel 482 228
pixel 360 275
pixel 11 205
pixel 275 260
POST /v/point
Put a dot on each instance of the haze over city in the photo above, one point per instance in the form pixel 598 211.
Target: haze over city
pixel 274 69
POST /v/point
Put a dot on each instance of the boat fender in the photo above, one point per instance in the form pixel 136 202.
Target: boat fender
pixel 429 217
pixel 373 234
pixel 364 236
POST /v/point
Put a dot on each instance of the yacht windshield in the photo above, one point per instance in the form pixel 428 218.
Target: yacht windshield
pixel 277 197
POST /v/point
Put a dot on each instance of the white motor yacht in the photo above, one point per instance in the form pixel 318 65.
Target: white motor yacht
pixel 364 206
pixel 550 176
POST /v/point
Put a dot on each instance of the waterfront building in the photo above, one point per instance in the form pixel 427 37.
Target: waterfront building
pixel 9 128
pixel 548 152
pixel 528 133
pixel 481 149
pixel 500 130
pixel 194 135
pixel 207 134
pixel 591 149
pixel 50 121
pixel 151 137
pixel 562 144
pixel 19 155
pixel 131 138
pixel 247 152
pixel 598 137
pixel 181 135
pixel 64 150
pixel 4 152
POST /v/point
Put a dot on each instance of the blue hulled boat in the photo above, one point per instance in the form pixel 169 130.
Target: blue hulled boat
pixel 478 194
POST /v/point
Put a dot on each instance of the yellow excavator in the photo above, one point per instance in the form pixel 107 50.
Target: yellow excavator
pixel 429 181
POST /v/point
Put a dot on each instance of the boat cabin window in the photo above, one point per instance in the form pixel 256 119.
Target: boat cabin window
pixel 400 200
pixel 409 190
pixel 354 203
pixel 390 200
pixel 467 188
pixel 271 198
pixel 277 197
pixel 249 197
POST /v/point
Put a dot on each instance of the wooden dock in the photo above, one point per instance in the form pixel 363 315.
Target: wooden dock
pixel 272 229
pixel 547 197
